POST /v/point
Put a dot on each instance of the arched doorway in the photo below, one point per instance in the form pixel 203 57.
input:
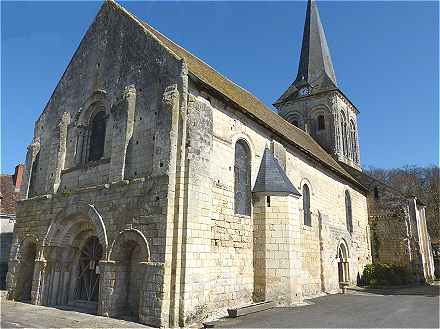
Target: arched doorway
pixel 73 246
pixel 88 270
pixel 130 251
pixel 27 256
pixel 343 265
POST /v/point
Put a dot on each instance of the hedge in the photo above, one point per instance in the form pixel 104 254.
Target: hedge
pixel 387 275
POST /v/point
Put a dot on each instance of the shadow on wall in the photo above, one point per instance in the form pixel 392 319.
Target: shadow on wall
pixel 5 248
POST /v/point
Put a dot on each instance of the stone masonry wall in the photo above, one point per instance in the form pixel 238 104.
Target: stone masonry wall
pixel 115 54
pixel 123 70
pixel 398 228
pixel 228 277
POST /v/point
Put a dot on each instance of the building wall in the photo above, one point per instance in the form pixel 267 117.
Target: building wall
pixel 166 183
pixel 109 69
pixel 398 228
pixel 135 80
pixel 222 241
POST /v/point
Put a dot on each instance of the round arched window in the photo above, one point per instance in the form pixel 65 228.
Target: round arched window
pixel 97 136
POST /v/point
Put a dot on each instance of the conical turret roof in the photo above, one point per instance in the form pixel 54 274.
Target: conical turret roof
pixel 271 177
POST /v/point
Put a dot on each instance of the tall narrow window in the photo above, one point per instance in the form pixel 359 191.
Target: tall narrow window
pixel 344 134
pixel 306 205
pixel 353 141
pixel 348 212
pixel 321 122
pixel 97 137
pixel 242 179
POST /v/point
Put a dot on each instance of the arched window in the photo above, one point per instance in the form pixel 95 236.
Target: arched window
pixel 353 141
pixel 348 212
pixel 321 122
pixel 242 179
pixel 344 134
pixel 306 205
pixel 294 118
pixel 343 265
pixel 97 136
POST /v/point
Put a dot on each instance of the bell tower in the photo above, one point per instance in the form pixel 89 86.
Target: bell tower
pixel 314 102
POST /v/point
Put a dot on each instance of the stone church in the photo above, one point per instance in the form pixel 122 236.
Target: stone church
pixel 158 190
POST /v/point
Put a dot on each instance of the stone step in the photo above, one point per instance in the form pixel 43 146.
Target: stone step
pixel 251 308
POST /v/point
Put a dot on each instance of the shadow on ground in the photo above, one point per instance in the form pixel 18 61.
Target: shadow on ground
pixel 409 307
pixel 422 290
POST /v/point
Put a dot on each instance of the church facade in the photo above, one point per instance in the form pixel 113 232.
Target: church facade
pixel 156 189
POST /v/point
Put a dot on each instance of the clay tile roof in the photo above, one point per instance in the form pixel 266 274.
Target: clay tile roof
pixel 8 196
pixel 247 102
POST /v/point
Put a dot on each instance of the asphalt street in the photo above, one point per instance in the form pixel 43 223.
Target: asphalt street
pixel 416 307
pixel 402 308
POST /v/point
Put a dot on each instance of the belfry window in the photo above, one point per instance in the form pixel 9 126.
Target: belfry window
pixel 242 179
pixel 344 134
pixel 348 212
pixel 97 136
pixel 321 122
pixel 353 140
pixel 306 205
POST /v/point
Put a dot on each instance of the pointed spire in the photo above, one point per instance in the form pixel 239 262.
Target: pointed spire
pixel 315 65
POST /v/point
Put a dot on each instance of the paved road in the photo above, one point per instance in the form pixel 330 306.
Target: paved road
pixel 404 308
pixel 20 315
pixel 411 307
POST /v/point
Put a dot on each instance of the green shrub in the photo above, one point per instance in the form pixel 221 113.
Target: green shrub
pixel 386 275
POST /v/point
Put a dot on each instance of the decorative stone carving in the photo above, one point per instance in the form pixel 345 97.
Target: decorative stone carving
pixel 170 97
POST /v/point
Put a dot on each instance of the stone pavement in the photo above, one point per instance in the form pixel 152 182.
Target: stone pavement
pixel 416 307
pixel 19 315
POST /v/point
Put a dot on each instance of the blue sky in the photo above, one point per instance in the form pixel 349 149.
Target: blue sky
pixel 385 56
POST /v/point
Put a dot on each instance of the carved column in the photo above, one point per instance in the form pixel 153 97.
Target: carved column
pixel 107 297
pixel 39 275
pixel 123 118
pixel 335 133
pixel 81 139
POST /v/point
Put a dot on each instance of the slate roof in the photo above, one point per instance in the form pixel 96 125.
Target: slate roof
pixel 8 196
pixel 245 101
pixel 272 178
pixel 315 65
